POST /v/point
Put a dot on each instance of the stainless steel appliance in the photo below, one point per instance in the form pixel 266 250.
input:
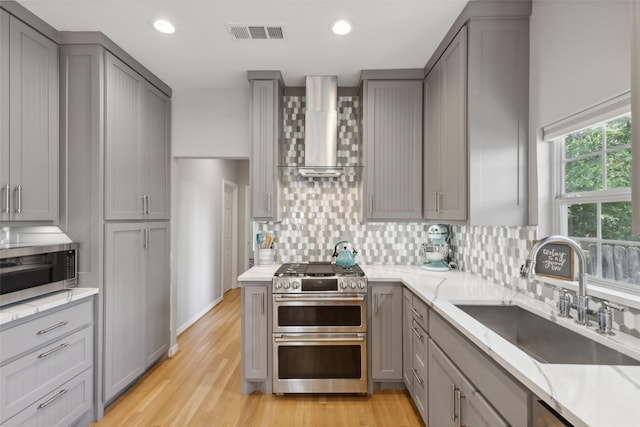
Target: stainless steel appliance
pixel 319 329
pixel 30 271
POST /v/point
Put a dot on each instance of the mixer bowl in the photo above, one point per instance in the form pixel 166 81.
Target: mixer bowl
pixel 435 252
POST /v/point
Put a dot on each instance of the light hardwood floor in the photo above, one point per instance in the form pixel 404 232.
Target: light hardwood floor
pixel 200 386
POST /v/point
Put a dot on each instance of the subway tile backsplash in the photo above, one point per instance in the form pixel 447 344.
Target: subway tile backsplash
pixel 318 212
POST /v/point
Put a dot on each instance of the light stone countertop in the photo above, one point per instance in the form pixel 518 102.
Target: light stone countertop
pixel 42 303
pixel 586 395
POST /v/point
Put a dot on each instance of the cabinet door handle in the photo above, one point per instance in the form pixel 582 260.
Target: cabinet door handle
pixel 19 199
pixel 51 328
pixel 375 303
pixel 262 296
pixel 6 199
pixel 53 350
pixel 146 203
pixel 53 399
pixel 415 312
pixel 453 402
pixel 459 398
pixel 371 205
pixel 415 374
pixel 415 331
pixel 147 238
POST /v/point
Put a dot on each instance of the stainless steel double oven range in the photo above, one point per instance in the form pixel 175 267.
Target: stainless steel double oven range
pixel 319 329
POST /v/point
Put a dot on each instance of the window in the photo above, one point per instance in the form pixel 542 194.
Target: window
pixel 593 203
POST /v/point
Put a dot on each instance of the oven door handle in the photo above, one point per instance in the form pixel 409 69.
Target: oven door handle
pixel 312 338
pixel 306 298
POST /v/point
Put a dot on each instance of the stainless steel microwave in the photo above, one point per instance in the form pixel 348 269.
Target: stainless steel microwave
pixel 27 272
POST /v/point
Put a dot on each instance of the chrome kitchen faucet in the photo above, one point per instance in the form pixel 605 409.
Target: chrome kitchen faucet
pixel 528 270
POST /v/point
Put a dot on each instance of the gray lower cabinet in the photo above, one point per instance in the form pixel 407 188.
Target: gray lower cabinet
pixel 46 367
pixel 392 144
pixel 453 401
pixel 415 356
pixel 29 123
pixel 385 332
pixel 476 124
pixel 256 339
pixel 266 131
pixel 136 331
pixel 483 394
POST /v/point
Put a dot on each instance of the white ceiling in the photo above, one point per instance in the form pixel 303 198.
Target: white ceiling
pixel 202 54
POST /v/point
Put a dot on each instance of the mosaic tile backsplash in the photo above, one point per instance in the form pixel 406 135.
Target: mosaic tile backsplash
pixel 318 212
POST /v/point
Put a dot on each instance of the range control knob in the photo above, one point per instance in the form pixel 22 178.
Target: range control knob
pixel 343 285
pixel 278 285
pixel 361 285
pixel 295 285
pixel 353 285
pixel 286 285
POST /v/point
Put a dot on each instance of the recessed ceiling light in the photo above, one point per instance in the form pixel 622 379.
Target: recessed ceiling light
pixel 341 27
pixel 164 26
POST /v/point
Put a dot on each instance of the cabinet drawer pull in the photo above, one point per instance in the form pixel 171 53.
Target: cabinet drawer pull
pixel 146 197
pixel 415 374
pixel 51 328
pixel 415 312
pixel 53 350
pixel 415 331
pixel 53 399
pixel 6 200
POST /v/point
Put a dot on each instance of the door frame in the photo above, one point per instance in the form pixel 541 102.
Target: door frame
pixel 234 235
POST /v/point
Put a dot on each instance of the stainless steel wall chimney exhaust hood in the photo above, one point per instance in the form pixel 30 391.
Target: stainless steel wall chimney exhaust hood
pixel 321 127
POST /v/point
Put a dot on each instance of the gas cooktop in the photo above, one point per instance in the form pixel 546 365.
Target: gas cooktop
pixel 318 269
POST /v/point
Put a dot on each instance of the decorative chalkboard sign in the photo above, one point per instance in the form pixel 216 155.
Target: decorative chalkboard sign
pixel 555 260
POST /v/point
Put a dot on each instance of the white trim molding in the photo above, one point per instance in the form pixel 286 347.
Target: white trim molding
pixel 601 112
pixel 635 114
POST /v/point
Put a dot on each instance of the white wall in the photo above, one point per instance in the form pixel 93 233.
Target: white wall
pixel 197 234
pixel 211 123
pixel 580 56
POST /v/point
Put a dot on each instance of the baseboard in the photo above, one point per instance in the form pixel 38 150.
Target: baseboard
pixel 197 317
pixel 173 350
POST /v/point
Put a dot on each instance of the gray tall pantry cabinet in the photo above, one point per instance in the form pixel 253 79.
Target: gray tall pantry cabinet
pixel 115 183
pixel 28 123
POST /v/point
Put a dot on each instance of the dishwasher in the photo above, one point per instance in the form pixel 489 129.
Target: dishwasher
pixel 547 417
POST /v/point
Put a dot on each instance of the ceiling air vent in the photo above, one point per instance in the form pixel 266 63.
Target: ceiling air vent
pixel 256 32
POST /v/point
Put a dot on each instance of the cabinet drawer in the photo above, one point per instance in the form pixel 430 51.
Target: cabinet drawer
pixel 30 377
pixel 62 407
pixel 43 329
pixel 420 312
pixel 500 390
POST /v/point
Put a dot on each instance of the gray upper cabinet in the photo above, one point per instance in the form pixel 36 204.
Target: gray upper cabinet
pixel 156 134
pixel 445 187
pixel 386 332
pixel 476 119
pixel 28 123
pixel 392 135
pixel 136 145
pixel 266 118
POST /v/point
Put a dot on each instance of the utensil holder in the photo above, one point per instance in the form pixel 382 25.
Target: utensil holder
pixel 266 256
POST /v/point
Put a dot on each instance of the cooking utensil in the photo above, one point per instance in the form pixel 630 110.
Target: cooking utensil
pixel 344 257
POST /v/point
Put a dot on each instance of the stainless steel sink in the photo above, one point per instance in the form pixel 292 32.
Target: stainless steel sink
pixel 542 339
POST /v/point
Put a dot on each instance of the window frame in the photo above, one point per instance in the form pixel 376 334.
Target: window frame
pixel 561 200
